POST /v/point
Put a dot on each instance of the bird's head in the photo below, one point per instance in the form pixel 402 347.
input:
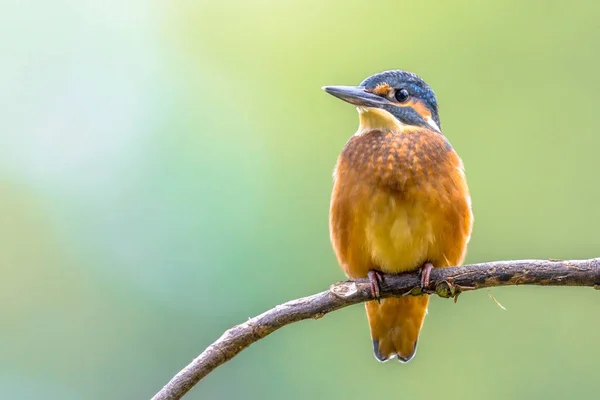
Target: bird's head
pixel 391 100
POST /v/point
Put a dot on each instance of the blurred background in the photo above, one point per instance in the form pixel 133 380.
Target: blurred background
pixel 166 173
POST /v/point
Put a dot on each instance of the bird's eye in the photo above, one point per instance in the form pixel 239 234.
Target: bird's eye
pixel 401 95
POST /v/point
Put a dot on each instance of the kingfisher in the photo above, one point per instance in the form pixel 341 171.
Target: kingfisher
pixel 400 201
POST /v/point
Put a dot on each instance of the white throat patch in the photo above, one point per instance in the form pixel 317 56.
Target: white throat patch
pixel 371 119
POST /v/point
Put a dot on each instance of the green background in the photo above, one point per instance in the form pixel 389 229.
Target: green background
pixel 165 173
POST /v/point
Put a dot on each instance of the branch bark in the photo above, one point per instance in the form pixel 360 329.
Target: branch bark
pixel 445 282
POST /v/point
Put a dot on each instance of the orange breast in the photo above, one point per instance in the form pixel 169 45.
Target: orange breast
pixel 399 200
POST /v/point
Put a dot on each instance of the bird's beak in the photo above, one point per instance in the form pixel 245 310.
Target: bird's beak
pixel 357 95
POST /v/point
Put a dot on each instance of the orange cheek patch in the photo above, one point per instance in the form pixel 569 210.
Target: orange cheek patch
pixel 419 107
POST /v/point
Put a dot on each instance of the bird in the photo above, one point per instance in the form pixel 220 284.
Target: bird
pixel 400 201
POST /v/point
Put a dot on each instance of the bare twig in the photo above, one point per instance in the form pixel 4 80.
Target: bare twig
pixel 445 282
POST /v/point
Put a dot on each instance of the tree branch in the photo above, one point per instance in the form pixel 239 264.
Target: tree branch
pixel 445 282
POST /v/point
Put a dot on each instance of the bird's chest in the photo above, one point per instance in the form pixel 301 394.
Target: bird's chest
pixel 400 232
pixel 396 193
pixel 398 161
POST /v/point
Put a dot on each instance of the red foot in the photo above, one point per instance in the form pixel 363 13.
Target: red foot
pixel 375 277
pixel 425 274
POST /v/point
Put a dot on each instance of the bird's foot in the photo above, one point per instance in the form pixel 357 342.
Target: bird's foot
pixel 425 274
pixel 375 278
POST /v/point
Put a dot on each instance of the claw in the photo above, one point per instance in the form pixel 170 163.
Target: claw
pixel 375 278
pixel 425 274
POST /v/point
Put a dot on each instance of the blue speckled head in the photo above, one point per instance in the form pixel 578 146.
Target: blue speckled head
pixel 417 89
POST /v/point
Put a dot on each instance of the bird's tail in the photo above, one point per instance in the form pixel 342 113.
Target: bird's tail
pixel 395 325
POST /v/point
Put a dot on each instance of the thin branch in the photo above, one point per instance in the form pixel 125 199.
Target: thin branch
pixel 445 282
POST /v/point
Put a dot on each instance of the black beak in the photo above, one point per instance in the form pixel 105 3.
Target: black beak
pixel 357 95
